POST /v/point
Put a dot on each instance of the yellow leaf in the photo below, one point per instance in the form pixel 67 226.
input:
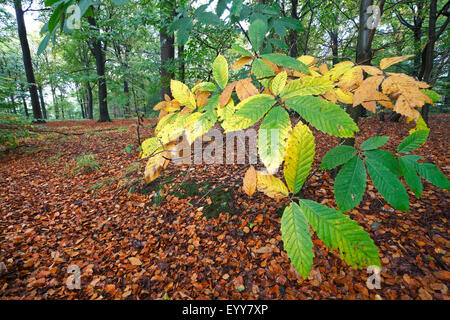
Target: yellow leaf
pixel 160 106
pixel 420 125
pixel 278 82
pixel 344 96
pixel 182 94
pixel 331 96
pixel 403 107
pixel 408 87
pixel 220 71
pixel 339 69
pixel 299 157
pixel 239 63
pixel 387 62
pixel 351 77
pixel 323 68
pixel 371 70
pixel 367 90
pixel 307 60
pixel 249 184
pixel 271 186
pixel 226 112
pixel 155 165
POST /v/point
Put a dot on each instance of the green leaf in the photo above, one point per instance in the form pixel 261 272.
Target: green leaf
pixel 408 170
pixel 432 174
pixel 204 86
pixel 388 185
pixel 374 143
pixel 350 184
pixel 287 62
pixel 433 95
pixel 239 50
pixel 340 232
pixel 413 141
pixel 119 2
pixel 44 43
pixel 324 115
pixel 257 32
pixel 299 157
pixel 297 239
pixel 202 125
pixel 279 43
pixel 278 82
pixel 221 6
pixel 56 16
pixel 220 71
pixel 307 86
pixel 248 112
pixel 209 18
pixel 261 69
pixel 337 156
pixel 385 158
pixel 272 138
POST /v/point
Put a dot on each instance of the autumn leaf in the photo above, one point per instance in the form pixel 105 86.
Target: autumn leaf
pixel 387 62
pixel 249 184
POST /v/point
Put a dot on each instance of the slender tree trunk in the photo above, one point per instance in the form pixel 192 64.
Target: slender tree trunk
pixel 22 31
pixel 334 46
pixel 41 96
pixel 90 101
pixel 182 69
pixel 55 100
pixel 293 37
pixel 99 55
pixel 13 102
pixel 167 48
pixel 428 54
pixel 126 92
pixel 363 56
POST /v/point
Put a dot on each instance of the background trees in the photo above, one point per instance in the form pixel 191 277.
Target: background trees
pixel 118 62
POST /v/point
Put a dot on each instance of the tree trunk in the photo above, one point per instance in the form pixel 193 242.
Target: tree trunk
pixel 99 55
pixel 167 48
pixel 55 101
pixel 293 37
pixel 27 60
pixel 428 53
pixel 182 69
pixel 13 102
pixel 126 91
pixel 334 46
pixel 363 56
pixel 90 101
pixel 41 96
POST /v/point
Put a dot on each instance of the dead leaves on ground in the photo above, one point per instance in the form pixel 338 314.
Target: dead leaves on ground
pixel 126 249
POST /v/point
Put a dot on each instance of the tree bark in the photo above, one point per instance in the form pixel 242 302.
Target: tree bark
pixel 167 48
pixel 41 96
pixel 99 55
pixel 13 102
pixel 90 101
pixel 182 69
pixel 428 53
pixel 334 46
pixel 363 56
pixel 293 37
pixel 22 31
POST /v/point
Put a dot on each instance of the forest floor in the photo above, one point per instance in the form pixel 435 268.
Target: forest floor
pixel 131 243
